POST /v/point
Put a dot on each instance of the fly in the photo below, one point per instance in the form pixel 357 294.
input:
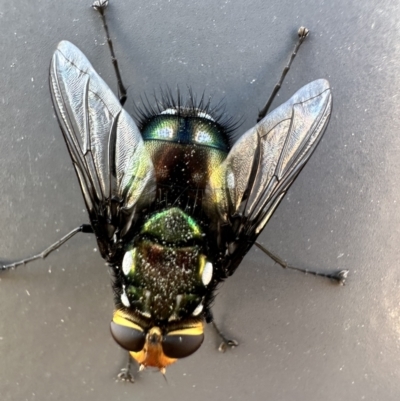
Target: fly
pixel 174 204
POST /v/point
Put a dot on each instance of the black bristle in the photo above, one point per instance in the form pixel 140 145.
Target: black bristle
pixel 147 110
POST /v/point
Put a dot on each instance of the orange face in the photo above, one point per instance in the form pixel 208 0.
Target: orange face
pixel 153 347
pixel 152 353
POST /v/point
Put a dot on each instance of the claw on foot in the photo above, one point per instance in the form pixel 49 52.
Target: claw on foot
pixel 303 32
pixel 100 5
pixel 341 276
pixel 125 376
pixel 228 343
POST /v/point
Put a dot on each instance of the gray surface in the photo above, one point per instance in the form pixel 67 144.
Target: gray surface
pixel 301 337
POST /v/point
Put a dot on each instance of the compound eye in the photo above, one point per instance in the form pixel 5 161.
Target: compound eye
pixel 128 338
pixel 181 345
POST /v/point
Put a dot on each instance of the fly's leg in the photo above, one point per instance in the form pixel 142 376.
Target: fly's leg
pixel 125 374
pixel 84 228
pixel 100 6
pixel 339 276
pixel 303 33
pixel 226 342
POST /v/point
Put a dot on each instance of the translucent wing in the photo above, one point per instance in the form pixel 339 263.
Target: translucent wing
pixel 114 170
pixel 247 187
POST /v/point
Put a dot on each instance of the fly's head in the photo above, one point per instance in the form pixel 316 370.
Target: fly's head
pixel 153 345
pixel 161 289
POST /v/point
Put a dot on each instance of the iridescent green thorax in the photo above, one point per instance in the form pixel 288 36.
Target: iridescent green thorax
pixel 163 272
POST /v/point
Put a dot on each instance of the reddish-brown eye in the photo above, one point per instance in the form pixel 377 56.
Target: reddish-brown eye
pixel 128 337
pixel 181 346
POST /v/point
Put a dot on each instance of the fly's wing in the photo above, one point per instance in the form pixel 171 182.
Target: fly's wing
pixel 115 172
pixel 244 191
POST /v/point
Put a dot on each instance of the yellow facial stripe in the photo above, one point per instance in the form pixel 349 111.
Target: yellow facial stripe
pixel 190 331
pixel 119 318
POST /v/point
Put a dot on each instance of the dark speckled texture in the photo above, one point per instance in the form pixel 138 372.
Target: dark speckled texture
pixel 301 337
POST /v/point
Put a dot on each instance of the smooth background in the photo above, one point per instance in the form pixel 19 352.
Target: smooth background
pixel 300 337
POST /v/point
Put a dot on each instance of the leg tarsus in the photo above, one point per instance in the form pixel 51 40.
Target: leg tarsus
pixel 100 6
pixel 302 33
pixel 85 228
pixel 226 342
pixel 125 374
pixel 339 276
